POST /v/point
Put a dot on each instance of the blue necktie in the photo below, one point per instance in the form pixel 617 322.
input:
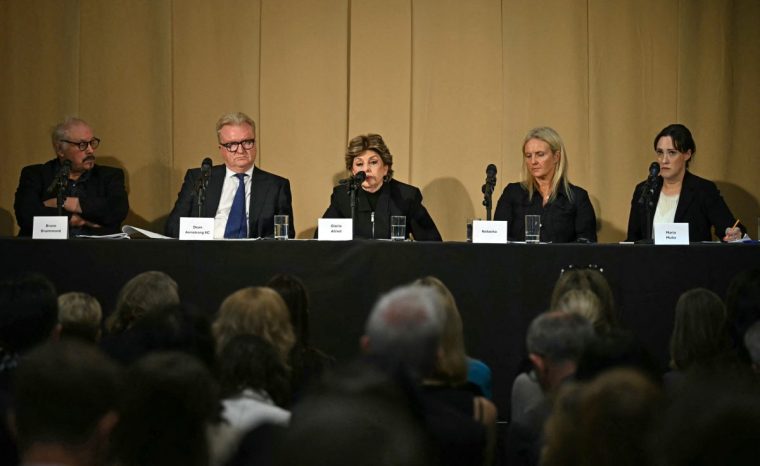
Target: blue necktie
pixel 237 224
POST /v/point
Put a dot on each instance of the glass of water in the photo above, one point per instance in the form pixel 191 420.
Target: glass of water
pixel 398 227
pixel 532 228
pixel 281 224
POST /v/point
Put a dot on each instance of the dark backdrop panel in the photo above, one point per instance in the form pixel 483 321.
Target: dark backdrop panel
pixel 499 288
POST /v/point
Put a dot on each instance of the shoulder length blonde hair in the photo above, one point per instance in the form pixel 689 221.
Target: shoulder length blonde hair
pixel 256 311
pixel 551 137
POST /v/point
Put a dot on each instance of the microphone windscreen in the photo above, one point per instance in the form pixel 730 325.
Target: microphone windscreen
pixel 654 169
pixel 360 176
pixel 207 162
pixel 491 170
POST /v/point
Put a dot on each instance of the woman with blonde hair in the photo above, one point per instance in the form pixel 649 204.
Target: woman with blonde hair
pixel 256 311
pixel 565 209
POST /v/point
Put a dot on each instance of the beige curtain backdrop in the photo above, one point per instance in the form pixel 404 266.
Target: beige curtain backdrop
pixel 451 85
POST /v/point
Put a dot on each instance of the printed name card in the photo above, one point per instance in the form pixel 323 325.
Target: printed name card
pixel 335 229
pixel 197 228
pixel 50 228
pixel 489 231
pixel 671 233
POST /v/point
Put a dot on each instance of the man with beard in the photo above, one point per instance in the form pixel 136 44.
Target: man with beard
pixel 94 197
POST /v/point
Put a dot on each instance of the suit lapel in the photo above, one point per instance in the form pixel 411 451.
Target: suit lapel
pixel 686 198
pixel 259 188
pixel 214 190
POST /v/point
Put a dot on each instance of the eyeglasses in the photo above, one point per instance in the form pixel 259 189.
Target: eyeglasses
pixel 82 145
pixel 233 146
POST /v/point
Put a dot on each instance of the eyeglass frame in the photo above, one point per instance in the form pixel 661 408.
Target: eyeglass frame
pixel 82 145
pixel 238 144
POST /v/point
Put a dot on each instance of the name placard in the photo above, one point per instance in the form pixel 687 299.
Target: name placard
pixel 335 229
pixel 50 227
pixel 197 228
pixel 489 231
pixel 671 233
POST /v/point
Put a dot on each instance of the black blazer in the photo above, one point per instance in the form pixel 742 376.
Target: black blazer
pixel 101 193
pixel 700 205
pixel 562 220
pixel 270 196
pixel 396 198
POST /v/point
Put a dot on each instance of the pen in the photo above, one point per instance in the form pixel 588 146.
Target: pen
pixel 737 222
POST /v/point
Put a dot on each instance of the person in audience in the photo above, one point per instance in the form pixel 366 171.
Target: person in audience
pixel 679 195
pixel 555 342
pixel 605 422
pixel 454 367
pixel 28 317
pixel 380 195
pixel 743 307
pixel 700 336
pixel 255 390
pixel 79 315
pixel 95 200
pixel 565 209
pixel 584 291
pixel 65 404
pixel 752 344
pixel 402 335
pixel 175 327
pixel 307 362
pixel 257 311
pixel 166 407
pixel 145 293
pixel 714 418
pixel 243 199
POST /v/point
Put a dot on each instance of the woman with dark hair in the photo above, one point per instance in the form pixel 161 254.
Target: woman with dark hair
pixel 306 362
pixel 379 195
pixel 679 195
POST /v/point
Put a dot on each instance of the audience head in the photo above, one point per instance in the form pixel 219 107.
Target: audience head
pixel 699 331
pixel 28 312
pixel 145 293
pixel 601 312
pixel 555 342
pixel 405 328
pixel 79 315
pixel 752 344
pixel 605 422
pixel 743 306
pixel 293 292
pixel 452 361
pixel 165 410
pixel 713 419
pixel 173 328
pixel 250 362
pixel 257 311
pixel 66 396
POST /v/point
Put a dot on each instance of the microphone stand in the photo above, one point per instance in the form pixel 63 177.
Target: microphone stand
pixel 62 181
pixel 647 199
pixel 353 187
pixel 200 192
pixel 487 189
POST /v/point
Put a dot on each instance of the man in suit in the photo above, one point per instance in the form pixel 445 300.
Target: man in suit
pixel 242 198
pixel 94 196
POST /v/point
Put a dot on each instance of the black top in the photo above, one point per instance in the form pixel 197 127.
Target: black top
pixel 562 220
pixel 394 198
pixel 700 205
pixel 101 194
pixel 270 196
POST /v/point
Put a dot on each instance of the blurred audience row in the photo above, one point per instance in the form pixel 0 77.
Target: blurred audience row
pixel 158 383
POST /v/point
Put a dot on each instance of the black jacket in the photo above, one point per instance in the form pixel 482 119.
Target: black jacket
pixel 562 221
pixel 700 205
pixel 101 194
pixel 270 196
pixel 396 198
